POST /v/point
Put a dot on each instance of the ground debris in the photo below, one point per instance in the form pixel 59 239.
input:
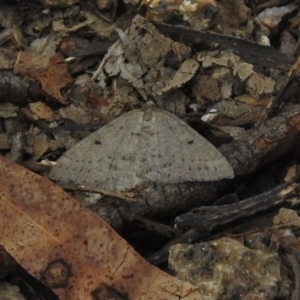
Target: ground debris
pixel 229 66
pixel 225 268
pixel 141 56
pixel 64 255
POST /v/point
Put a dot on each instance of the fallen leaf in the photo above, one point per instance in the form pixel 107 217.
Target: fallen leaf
pixel 50 70
pixel 41 111
pixel 72 250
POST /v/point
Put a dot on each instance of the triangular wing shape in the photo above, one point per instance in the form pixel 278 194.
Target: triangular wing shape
pixel 144 145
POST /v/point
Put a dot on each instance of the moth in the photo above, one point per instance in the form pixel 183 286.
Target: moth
pixel 143 146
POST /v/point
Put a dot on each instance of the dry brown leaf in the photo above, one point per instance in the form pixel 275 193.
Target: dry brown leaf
pixel 78 114
pixel 206 88
pixel 50 71
pixel 4 141
pixel 8 110
pixel 36 144
pixel 70 248
pixel 41 111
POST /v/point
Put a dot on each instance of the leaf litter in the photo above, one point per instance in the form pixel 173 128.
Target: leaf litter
pixel 77 262
pixel 142 146
pixel 177 66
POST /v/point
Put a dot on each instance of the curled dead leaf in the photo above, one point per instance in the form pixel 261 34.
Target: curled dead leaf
pixel 70 248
